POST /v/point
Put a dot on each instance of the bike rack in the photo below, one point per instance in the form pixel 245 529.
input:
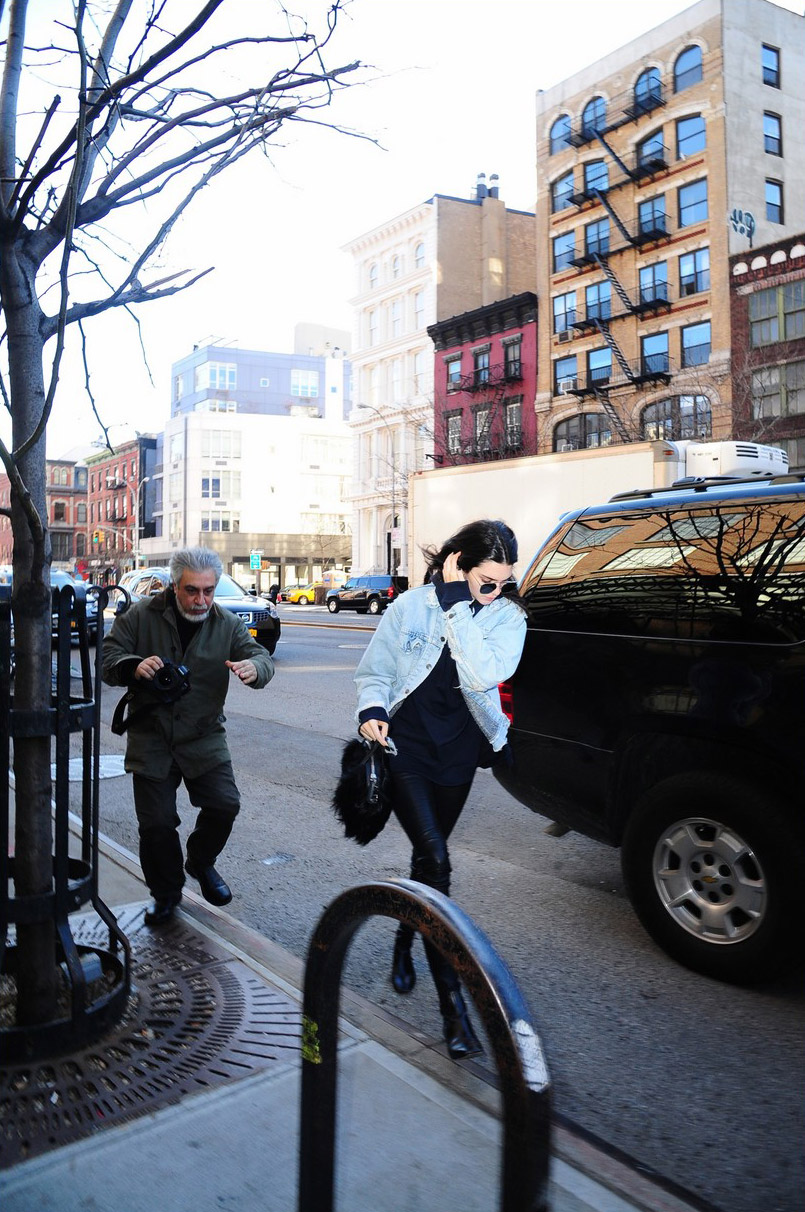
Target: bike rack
pixel 524 1079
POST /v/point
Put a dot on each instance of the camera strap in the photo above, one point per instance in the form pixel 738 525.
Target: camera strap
pixel 121 721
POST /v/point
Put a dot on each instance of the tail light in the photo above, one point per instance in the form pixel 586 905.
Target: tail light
pixel 507 700
pixel 390 591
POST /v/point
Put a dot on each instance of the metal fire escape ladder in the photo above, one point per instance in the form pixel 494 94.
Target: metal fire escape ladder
pixel 620 358
pixel 621 165
pixel 603 264
pixel 613 415
pixel 616 219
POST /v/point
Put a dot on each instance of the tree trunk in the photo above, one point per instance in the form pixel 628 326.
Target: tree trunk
pixel 36 952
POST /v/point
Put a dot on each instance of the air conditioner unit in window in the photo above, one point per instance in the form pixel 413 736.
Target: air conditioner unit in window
pixel 564 336
pixel 563 447
pixel 568 386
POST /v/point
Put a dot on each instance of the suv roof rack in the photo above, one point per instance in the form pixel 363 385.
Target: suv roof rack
pixel 702 483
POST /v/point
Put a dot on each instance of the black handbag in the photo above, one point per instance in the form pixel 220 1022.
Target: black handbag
pixel 362 800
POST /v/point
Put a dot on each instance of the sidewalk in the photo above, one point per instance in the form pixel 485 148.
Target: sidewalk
pixel 416 1132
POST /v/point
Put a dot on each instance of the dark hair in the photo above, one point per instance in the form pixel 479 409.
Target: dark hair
pixel 477 542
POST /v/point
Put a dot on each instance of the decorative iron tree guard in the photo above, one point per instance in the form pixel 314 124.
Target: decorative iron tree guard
pixel 95 980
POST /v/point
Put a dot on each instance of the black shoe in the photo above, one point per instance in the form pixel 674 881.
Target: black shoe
pixel 213 888
pixel 459 1036
pixel 403 976
pixel 161 910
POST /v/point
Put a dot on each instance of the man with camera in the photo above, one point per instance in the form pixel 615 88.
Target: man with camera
pixel 175 653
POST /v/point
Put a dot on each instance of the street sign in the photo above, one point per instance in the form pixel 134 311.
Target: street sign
pixel 255 559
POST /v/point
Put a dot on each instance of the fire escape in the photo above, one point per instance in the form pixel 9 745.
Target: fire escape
pixel 492 385
pixel 601 248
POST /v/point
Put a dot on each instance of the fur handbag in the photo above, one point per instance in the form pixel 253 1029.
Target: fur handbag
pixel 362 800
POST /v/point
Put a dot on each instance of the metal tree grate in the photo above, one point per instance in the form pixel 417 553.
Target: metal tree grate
pixel 196 1019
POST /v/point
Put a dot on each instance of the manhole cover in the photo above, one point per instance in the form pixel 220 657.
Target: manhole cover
pixel 197 1019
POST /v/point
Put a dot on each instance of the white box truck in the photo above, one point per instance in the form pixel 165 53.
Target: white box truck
pixel 531 494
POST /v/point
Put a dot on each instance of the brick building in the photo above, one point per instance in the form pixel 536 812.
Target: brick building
pixel 119 506
pixel 767 308
pixel 66 508
pixel 656 164
pixel 485 378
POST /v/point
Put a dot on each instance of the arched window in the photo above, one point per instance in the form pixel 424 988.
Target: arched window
pixel 688 68
pixel 395 266
pixel 373 276
pixel 560 134
pixel 585 431
pixel 677 417
pixel 594 116
pixel 419 255
pixel 648 90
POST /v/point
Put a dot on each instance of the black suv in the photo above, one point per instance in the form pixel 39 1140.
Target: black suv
pixel 259 615
pixel 370 593
pixel 660 706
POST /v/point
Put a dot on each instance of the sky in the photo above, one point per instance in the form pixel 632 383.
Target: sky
pixel 450 93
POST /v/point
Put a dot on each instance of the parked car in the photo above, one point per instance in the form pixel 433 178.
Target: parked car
pixel 283 594
pixel 303 595
pixel 58 580
pixel 259 615
pixel 659 706
pixel 367 593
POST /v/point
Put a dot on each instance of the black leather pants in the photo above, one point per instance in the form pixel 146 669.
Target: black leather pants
pixel 428 813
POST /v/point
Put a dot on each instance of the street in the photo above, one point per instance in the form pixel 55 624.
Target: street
pixel 699 1081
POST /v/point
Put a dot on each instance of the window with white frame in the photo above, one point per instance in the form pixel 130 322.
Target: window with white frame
pixel 419 255
pixel 305 384
pixel 513 423
pixel 220 520
pixel 224 485
pixel 420 371
pixel 696 344
pixel 482 422
pixel 221 444
pixel 419 309
pixel 396 318
pixel 453 373
pixel 373 327
pixel 564 311
pixel 216 376
pixel 778 391
pixel 452 422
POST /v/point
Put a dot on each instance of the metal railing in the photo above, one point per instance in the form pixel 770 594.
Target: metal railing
pixel 524 1079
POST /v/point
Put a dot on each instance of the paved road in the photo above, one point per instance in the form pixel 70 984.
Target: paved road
pixel 699 1081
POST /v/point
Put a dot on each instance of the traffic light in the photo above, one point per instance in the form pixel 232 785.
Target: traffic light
pixel 95 536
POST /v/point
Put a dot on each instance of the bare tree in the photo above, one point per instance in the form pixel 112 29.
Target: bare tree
pixel 152 107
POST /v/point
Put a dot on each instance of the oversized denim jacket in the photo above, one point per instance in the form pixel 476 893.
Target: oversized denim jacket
pixel 408 641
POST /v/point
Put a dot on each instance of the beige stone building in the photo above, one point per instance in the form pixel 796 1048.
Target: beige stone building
pixel 655 164
pixel 441 258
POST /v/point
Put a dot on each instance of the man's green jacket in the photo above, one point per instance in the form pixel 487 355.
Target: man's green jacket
pixel 190 731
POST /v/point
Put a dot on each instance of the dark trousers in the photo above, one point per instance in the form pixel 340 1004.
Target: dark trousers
pixel 214 793
pixel 428 813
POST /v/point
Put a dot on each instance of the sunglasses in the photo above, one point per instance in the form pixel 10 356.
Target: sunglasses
pixel 491 586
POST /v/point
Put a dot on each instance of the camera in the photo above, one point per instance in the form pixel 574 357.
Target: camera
pixel 170 682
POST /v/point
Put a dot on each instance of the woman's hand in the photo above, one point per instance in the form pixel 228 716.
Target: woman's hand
pixel 375 730
pixel 450 568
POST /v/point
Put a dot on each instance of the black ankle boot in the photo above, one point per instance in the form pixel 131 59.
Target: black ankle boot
pixel 459 1036
pixel 403 976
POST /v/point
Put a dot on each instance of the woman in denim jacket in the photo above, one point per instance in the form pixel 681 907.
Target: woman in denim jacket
pixel 428 681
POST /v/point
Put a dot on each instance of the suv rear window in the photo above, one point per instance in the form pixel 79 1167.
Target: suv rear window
pixel 728 570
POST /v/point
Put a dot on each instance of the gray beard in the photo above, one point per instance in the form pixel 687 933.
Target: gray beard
pixel 190 617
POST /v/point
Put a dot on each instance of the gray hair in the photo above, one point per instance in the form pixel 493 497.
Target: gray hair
pixel 195 559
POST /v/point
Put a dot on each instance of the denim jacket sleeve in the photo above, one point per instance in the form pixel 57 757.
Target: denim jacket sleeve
pixel 377 668
pixel 485 646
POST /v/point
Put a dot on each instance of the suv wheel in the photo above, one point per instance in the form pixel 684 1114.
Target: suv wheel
pixel 374 606
pixel 332 606
pixel 712 868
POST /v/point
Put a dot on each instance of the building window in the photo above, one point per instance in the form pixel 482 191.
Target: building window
pixel 396 318
pixel 651 218
pixel 480 366
pixel 692 203
pixel 596 238
pixel 596 176
pixel 216 444
pixel 59 511
pixel 372 327
pixel 677 418
pixel 770 63
pixel 694 272
pixel 773 134
pixel 419 256
pixel 599 367
pixel 778 391
pixel 564 375
pixel 651 151
pixel 305 384
pixel 598 301
pixel 220 520
pixel 774 201
pixel 178 388
pixel 419 372
pixel 223 485
pixel 690 136
pixel 395 266
pixel 654 353
pixel 594 117
pixel 561 190
pixel 777 314
pixel 81 514
pixel 564 311
pixel 696 344
pixel 513 424
pixel 373 275
pixel 453 367
pixel 396 381
pixel 688 68
pixel 648 91
pixel 419 309
pixel 654 283
pixel 560 134
pixel 452 422
pixel 482 421
pixel 564 250
pixel 217 376
pixel 585 431
pixel 512 364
